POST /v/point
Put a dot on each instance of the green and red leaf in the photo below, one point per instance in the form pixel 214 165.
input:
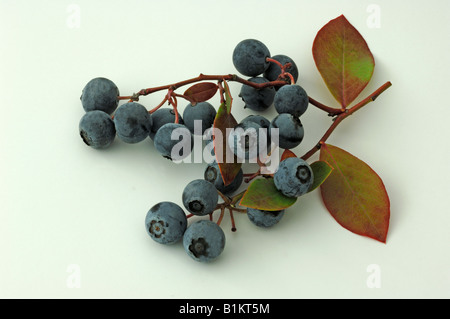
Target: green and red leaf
pixel 201 92
pixel 343 59
pixel 228 164
pixel 355 195
pixel 321 171
pixel 262 194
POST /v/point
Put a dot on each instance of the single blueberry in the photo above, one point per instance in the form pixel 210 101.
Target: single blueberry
pixel 263 122
pixel 203 112
pixel 200 197
pixel 258 119
pixel 174 141
pixel 166 222
pixel 250 57
pixel 97 129
pixel 264 218
pixel 293 177
pixel 100 94
pixel 248 140
pixel 291 99
pixel 257 99
pixel 288 129
pixel 133 122
pixel 204 241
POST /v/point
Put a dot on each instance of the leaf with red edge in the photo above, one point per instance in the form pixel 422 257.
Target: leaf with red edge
pixel 262 194
pixel 355 195
pixel 343 59
pixel 286 154
pixel 228 164
pixel 321 171
pixel 201 92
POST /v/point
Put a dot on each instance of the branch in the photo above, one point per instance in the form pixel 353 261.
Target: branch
pixel 204 77
pixel 343 115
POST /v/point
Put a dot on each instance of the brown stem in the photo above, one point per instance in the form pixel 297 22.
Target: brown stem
pixel 233 224
pixel 204 77
pixel 343 115
pixel 129 97
pixel 276 62
pixel 330 110
pixel 251 176
pixel 159 105
pixel 222 212
pixel 372 97
pixel 225 198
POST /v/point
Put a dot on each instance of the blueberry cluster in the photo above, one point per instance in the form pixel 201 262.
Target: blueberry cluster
pixel 252 58
pixel 132 123
pixel 167 222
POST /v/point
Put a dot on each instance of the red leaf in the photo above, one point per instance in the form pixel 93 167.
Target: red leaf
pixel 227 161
pixel 286 154
pixel 355 195
pixel 201 92
pixel 343 59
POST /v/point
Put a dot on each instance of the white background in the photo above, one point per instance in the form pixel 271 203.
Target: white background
pixel 72 215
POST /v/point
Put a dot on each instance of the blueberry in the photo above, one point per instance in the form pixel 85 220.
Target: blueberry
pixel 273 71
pixel 203 112
pixel 262 121
pixel 163 116
pixel 204 241
pixel 257 99
pixel 291 99
pixel 174 141
pixel 294 177
pixel 200 197
pixel 100 94
pixel 97 129
pixel 248 140
pixel 133 122
pixel 166 223
pixel 212 174
pixel 258 119
pixel 249 57
pixel 290 130
pixel 264 218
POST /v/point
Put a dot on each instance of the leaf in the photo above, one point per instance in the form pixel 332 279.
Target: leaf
pixel 355 195
pixel 262 194
pixel 201 92
pixel 228 98
pixel 321 171
pixel 343 59
pixel 286 154
pixel 228 164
